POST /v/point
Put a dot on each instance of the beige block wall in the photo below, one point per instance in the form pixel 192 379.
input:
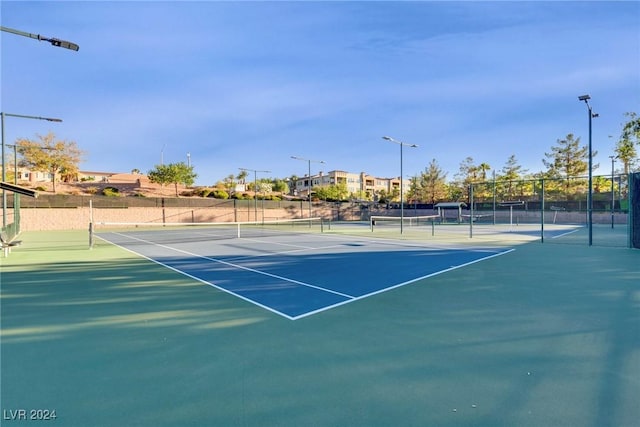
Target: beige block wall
pixel 79 218
pixel 40 219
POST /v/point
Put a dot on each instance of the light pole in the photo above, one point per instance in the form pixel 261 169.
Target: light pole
pixel 255 190
pixel 188 159
pixel 592 115
pixel 4 172
pixel 401 144
pixel 54 42
pixel 310 180
pixel 613 194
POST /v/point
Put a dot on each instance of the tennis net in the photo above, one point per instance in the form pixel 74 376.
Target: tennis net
pixel 381 220
pixel 163 233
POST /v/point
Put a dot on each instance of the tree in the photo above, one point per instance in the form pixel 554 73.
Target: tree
pixel 242 176
pixel 511 172
pixel 626 147
pixel 229 182
pixel 48 155
pixel 569 160
pixel 333 192
pixel 483 168
pixel 467 174
pixel 280 185
pixel 483 189
pixel 433 185
pixel 173 173
pixel 413 193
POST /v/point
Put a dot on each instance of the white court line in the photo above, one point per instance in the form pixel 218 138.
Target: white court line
pixel 350 298
pixel 276 243
pixel 206 282
pixel 564 234
pixel 264 273
pixel 291 251
pixel 399 285
pixel 403 243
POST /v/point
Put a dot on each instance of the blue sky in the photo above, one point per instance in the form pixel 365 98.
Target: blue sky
pixel 250 84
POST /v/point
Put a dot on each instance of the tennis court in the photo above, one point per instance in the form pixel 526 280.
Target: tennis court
pixel 543 335
pixel 293 272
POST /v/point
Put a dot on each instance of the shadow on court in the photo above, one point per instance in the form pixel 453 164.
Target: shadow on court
pixel 545 335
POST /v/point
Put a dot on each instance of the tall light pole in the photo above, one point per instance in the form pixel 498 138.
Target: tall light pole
pixel 592 115
pixel 310 180
pixel 4 172
pixel 401 144
pixel 255 189
pixel 613 195
pixel 54 42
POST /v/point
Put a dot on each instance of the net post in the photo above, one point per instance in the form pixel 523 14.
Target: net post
pixel 238 230
pixel 90 224
pixel 471 211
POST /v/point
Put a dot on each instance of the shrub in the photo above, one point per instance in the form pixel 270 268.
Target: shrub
pixel 91 190
pixel 40 188
pixel 201 192
pixel 220 194
pixel 111 192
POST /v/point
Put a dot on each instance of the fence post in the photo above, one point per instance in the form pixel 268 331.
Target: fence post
pixel 542 210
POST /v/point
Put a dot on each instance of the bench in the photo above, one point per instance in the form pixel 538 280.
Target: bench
pixel 7 244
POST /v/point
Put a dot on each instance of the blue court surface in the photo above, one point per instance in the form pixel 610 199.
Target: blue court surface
pixel 301 274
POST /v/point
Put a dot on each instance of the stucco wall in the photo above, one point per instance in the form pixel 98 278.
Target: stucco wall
pixel 35 219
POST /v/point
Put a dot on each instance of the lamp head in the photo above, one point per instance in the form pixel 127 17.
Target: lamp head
pixel 584 98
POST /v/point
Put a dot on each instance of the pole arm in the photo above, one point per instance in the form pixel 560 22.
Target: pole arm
pixel 54 42
pixel 49 119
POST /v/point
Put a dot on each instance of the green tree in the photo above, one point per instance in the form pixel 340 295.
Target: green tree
pixel 483 168
pixel 333 192
pixel 280 186
pixel 433 186
pixel 569 160
pixel 242 176
pixel 468 173
pixel 626 147
pixel 413 193
pixel 48 155
pixel 173 173
pixel 229 182
pixel 511 176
